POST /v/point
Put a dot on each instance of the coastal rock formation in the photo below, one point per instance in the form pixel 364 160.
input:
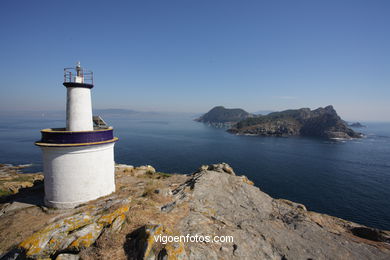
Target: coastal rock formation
pixel 11 181
pixel 221 116
pixel 321 122
pixel 213 201
pixel 356 125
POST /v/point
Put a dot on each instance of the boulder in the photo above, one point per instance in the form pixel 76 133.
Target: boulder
pixel 67 257
pixel 220 167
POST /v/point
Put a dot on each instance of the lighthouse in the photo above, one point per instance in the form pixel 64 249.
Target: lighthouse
pixel 78 160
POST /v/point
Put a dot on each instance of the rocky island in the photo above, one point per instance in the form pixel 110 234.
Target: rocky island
pixel 214 201
pixel 223 117
pixel 320 122
pixel 356 125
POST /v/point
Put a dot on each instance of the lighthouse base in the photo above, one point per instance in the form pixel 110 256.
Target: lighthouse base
pixel 75 175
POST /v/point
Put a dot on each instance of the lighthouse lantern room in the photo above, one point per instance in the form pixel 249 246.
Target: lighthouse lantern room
pixel 78 161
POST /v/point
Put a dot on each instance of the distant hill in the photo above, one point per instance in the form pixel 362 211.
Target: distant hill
pixel 321 122
pixel 222 115
pixel 263 112
pixel 356 125
pixel 116 111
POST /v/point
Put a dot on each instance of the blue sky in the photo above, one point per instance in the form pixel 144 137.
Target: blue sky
pixel 189 55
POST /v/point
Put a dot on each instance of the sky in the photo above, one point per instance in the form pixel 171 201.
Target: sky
pixel 191 55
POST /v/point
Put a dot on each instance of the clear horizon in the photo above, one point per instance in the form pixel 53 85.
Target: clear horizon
pixel 61 112
pixel 176 56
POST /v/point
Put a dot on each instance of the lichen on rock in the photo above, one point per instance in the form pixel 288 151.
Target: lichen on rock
pixel 212 201
pixel 73 233
pixel 144 244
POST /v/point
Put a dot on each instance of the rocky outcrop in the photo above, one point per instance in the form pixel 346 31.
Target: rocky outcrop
pixel 321 122
pixel 221 116
pixel 356 125
pixel 11 179
pixel 213 201
pixel 76 232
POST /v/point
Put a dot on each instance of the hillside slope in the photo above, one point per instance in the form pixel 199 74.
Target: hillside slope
pixel 222 115
pixel 321 122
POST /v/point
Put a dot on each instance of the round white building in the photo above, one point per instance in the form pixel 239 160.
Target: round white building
pixel 78 161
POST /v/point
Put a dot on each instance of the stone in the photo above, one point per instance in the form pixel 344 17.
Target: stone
pixel 12 179
pixel 143 244
pixel 163 192
pixel 118 223
pixel 76 232
pixel 219 167
pixel 263 227
pixel 67 257
pixel 85 237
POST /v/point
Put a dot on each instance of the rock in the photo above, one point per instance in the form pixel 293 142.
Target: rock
pixel 263 227
pixel 124 168
pixel 372 234
pixel 84 237
pixel 76 232
pixel 118 223
pixel 67 257
pixel 14 254
pixel 321 122
pixel 210 202
pixel 164 192
pixel 144 243
pixel 13 206
pixel 12 180
pixel 54 237
pixel 246 180
pixel 221 167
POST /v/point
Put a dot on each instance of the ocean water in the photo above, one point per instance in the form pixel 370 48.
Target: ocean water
pixel 347 179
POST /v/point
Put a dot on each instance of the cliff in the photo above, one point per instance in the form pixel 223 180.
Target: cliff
pixel 321 122
pixel 223 116
pixel 212 201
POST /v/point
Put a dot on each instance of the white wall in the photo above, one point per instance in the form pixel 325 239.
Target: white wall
pixel 79 109
pixel 74 175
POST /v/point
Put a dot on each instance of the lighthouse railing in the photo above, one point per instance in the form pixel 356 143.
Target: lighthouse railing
pixel 70 75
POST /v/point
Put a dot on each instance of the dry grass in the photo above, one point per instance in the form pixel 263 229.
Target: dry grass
pixel 144 209
pixel 145 206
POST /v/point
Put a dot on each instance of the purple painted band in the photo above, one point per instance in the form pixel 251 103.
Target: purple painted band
pixel 60 136
pixel 77 85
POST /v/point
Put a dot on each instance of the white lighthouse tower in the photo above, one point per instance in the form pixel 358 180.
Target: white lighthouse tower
pixel 78 161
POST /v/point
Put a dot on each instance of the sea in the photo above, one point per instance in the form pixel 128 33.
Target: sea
pixel 347 179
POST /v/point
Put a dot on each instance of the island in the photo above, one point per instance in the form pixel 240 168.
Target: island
pixel 356 125
pixel 320 122
pixel 223 117
pixel 147 204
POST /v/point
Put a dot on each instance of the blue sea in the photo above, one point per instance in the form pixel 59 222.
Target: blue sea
pixel 347 179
